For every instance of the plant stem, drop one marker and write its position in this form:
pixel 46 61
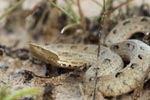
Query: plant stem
pixel 24 92
pixel 74 15
pixel 62 10
pixel 9 10
pixel 68 26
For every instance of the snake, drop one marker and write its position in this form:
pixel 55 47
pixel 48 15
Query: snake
pixel 114 77
pixel 72 56
pixel 127 28
pixel 130 77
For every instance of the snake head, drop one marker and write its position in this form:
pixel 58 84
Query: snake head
pixel 43 53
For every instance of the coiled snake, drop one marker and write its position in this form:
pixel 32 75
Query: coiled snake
pixel 114 78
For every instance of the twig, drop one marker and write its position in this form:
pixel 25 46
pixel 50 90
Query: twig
pixel 99 4
pixel 82 19
pixel 82 92
pixel 119 6
pixel 9 10
pixel 98 52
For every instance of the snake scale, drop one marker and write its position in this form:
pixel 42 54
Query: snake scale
pixel 114 77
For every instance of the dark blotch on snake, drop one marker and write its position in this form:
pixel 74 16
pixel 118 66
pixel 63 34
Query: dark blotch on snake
pixel 126 22
pixel 144 20
pixel 118 74
pixel 140 57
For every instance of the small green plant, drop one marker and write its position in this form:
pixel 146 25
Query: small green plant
pixel 9 10
pixel 4 93
pixel 70 13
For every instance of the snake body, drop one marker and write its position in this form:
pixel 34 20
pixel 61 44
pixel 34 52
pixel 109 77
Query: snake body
pixel 114 78
pixel 131 76
pixel 127 28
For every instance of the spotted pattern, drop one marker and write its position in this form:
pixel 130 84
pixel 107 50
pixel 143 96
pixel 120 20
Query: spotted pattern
pixel 127 28
pixel 113 78
pixel 130 77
